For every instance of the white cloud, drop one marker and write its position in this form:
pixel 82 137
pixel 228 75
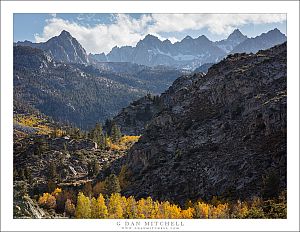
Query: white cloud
pixel 126 30
pixel 99 38
pixel 216 23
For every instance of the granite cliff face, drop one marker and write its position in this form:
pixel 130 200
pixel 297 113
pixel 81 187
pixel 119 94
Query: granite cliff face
pixel 223 133
pixel 134 119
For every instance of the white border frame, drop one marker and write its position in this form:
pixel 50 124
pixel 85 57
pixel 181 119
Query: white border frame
pixel 10 7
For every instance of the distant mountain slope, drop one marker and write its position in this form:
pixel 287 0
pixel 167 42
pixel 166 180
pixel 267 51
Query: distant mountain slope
pixel 63 48
pixel 77 93
pixel 261 42
pixel 151 51
pixel 222 134
pixel 189 53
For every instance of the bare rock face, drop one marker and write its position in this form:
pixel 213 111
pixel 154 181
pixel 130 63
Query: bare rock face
pixel 134 118
pixel 223 133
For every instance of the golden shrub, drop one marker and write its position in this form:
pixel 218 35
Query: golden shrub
pixel 47 201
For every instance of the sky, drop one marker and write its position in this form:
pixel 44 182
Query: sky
pixel 101 32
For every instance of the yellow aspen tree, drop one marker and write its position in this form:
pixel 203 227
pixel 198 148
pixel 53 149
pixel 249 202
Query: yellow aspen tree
pixel 187 213
pixel 220 211
pixel 102 209
pixel 148 210
pixel 94 208
pixel 140 209
pixel 115 209
pixel 159 208
pixel 131 208
pixel 202 210
pixel 165 207
pixel 155 210
pixel 174 212
pixel 83 207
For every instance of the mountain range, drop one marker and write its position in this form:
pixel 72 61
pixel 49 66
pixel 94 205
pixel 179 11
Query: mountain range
pixel 189 53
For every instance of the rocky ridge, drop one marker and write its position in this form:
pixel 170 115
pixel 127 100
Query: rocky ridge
pixel 223 133
pixel 263 41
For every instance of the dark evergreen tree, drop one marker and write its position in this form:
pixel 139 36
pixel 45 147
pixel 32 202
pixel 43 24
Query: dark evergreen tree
pixel 93 168
pixel 111 184
pixel 41 146
pixel 96 134
pixel 108 126
pixel 115 133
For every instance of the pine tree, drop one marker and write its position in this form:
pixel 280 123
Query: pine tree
pixel 108 126
pixel 112 184
pixel 106 145
pixel 98 135
pixel 123 176
pixel 115 133
pixel 93 168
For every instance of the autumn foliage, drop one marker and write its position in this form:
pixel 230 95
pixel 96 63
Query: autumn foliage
pixel 117 206
pixel 47 201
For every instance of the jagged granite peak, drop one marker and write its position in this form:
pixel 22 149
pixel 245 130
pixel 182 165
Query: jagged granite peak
pixel 65 33
pixel 187 38
pixel 236 35
pixel 218 134
pixel 150 41
pixel 203 38
pixel 263 41
pixel 150 37
pixel 167 41
pixel 66 48
pixel 63 48
pixel 235 38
